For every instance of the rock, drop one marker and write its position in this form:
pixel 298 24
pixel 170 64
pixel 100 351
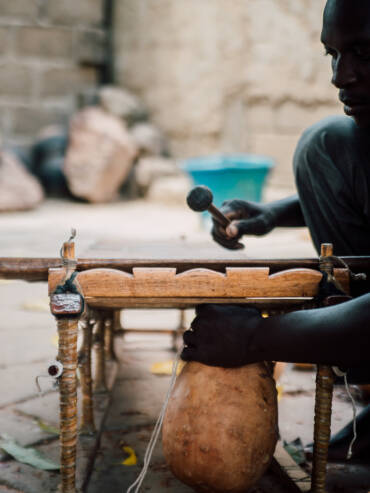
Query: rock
pixel 19 190
pixel 123 104
pixel 149 139
pixel 100 155
pixel 149 169
pixel 48 155
pixel 170 190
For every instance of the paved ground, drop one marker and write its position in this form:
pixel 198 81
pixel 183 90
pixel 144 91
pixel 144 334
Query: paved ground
pixel 28 342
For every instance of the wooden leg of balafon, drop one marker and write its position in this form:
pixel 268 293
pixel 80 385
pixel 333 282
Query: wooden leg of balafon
pixel 100 384
pixel 323 406
pixel 67 355
pixel 323 400
pixel 87 426
pixel 110 355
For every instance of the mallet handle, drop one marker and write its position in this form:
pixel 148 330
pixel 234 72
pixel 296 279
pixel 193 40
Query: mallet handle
pixel 217 214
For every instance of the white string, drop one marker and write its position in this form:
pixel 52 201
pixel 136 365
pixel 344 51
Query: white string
pixel 39 389
pixel 349 453
pixel 343 374
pixel 157 428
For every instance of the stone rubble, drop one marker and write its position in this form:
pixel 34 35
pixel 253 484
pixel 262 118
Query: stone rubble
pixel 122 103
pixel 100 155
pixel 19 190
pixel 150 169
pixel 149 139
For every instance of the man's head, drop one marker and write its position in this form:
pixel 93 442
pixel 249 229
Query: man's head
pixel 346 38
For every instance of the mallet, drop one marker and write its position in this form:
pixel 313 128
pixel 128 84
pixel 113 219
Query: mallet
pixel 200 198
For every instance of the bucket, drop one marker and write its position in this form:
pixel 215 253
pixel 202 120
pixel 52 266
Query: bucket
pixel 232 176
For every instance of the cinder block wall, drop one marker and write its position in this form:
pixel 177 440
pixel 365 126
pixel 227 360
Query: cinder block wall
pixel 50 50
pixel 227 75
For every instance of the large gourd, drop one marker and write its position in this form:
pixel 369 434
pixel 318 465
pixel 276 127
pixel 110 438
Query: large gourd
pixel 220 428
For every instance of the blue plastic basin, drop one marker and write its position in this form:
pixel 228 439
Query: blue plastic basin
pixel 235 176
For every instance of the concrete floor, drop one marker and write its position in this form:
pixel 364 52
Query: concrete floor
pixel 27 343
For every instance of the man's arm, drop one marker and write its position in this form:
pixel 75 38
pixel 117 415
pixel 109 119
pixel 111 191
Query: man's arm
pixel 232 335
pixel 250 218
pixel 287 212
pixel 336 335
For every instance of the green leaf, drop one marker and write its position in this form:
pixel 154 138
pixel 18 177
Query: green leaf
pixel 53 430
pixel 296 451
pixel 27 455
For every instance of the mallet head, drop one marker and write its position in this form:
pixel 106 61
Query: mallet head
pixel 199 198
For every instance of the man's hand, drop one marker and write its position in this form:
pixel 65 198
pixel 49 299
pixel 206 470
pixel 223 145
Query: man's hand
pixel 247 218
pixel 222 335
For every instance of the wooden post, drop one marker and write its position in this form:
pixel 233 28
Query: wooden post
pixel 323 401
pixel 67 308
pixel 67 355
pixel 100 385
pixel 110 355
pixel 87 426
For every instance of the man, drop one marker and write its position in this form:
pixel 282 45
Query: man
pixel 332 171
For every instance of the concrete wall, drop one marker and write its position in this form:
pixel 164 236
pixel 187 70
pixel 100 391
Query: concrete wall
pixel 50 50
pixel 227 75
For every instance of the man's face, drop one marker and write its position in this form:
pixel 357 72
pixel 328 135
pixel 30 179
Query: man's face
pixel 346 38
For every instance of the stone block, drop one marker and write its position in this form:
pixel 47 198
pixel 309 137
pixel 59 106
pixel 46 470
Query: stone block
pixel 44 42
pixel 261 117
pixel 72 12
pixel 281 148
pixel 68 80
pixel 294 118
pixel 170 189
pixel 150 169
pixel 15 80
pixel 30 120
pixel 22 9
pixel 91 47
pixel 199 144
pixel 4 40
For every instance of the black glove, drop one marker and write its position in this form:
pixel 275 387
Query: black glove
pixel 248 218
pixel 222 335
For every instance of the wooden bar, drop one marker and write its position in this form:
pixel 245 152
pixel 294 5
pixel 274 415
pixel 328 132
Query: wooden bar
pixel 237 282
pixel 36 269
pixel 105 303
